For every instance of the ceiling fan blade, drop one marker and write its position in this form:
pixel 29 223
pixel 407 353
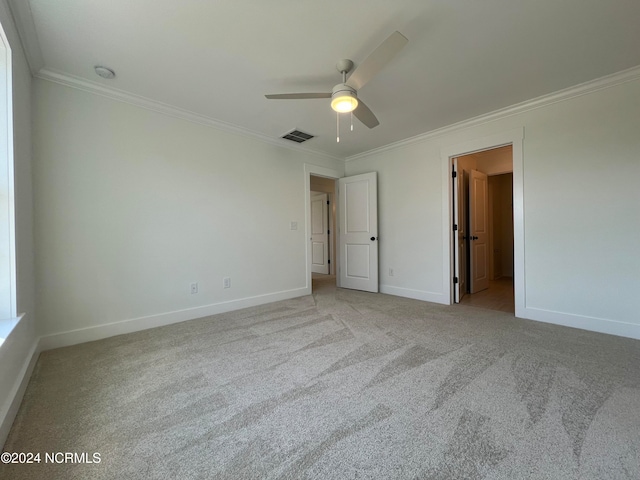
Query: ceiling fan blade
pixel 365 115
pixel 377 60
pixel 297 96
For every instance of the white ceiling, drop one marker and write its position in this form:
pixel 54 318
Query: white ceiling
pixel 218 58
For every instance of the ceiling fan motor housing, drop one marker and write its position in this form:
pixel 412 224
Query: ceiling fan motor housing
pixel 343 89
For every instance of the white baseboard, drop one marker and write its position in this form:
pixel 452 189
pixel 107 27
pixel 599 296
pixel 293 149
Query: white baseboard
pixel 14 399
pixel 89 334
pixel 583 322
pixel 434 297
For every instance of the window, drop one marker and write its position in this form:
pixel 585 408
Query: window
pixel 8 312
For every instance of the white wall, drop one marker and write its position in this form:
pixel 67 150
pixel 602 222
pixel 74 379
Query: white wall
pixel 321 184
pixel 501 225
pixel 132 206
pixel 581 165
pixel 496 161
pixel 17 352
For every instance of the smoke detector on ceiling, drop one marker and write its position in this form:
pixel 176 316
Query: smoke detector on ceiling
pixel 105 72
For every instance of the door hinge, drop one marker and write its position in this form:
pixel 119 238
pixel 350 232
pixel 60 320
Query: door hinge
pixel 328 232
pixel 455 228
pixel 454 174
pixel 328 261
pixel 327 202
pixel 455 279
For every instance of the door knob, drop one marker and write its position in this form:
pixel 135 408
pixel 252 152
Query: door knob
pixel 474 238
pixel 373 239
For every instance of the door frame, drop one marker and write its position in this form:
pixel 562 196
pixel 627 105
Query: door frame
pixel 317 171
pixel 512 137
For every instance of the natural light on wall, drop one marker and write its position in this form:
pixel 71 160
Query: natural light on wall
pixel 8 312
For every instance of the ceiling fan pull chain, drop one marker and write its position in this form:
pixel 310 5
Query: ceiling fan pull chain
pixel 352 120
pixel 337 127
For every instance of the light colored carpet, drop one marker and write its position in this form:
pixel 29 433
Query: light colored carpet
pixel 343 384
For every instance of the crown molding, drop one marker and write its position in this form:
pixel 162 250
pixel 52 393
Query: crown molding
pixel 607 81
pixel 23 20
pixel 166 109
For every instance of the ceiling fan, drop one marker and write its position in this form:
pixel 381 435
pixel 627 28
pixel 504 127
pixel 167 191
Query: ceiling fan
pixel 344 96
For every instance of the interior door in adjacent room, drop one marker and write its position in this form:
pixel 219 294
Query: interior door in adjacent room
pixel 319 233
pixel 459 231
pixel 358 232
pixel 478 232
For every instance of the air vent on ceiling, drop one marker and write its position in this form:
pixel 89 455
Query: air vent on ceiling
pixel 297 136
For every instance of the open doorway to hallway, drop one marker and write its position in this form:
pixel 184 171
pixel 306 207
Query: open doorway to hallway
pixel 483 199
pixel 323 231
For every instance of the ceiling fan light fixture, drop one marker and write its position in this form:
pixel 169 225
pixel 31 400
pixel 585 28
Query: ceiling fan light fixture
pixel 344 104
pixel 344 99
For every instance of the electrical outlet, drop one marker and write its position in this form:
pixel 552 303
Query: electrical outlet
pixel 194 288
pixel 391 272
pixel 226 282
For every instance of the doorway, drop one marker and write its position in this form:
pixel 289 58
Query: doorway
pixel 322 193
pixel 354 241
pixel 482 205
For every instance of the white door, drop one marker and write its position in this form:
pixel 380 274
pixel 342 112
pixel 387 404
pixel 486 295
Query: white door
pixel 463 189
pixel 478 231
pixel 319 233
pixel 358 232
pixel 459 233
